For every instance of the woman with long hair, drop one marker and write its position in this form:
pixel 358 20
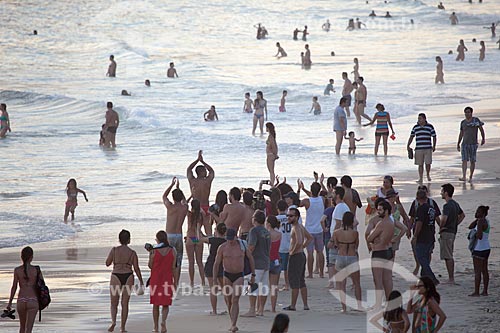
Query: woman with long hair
pixel 481 251
pixel 395 317
pixel 72 191
pixel 272 225
pixel 218 207
pixel 260 106
pixel 383 119
pixel 425 307
pixel 163 281
pixel 194 248
pixel 121 283
pixel 4 120
pixel 271 151
pixel 280 324
pixel 27 301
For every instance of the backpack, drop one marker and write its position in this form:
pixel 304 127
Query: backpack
pixel 246 270
pixel 43 293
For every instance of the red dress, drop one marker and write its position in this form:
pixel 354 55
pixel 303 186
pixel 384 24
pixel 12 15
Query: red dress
pixel 161 284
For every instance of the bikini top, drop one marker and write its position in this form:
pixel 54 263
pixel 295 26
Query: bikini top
pixel 348 244
pixel 128 263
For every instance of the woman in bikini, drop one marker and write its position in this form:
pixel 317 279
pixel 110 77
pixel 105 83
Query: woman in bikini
pixel 194 248
pixel 425 307
pixel 395 317
pixel 72 191
pixel 439 71
pixel 346 240
pixel 4 120
pixel 271 151
pixel 121 284
pixel 27 301
pixel 260 105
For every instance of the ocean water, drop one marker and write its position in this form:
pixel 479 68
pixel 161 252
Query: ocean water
pixel 55 87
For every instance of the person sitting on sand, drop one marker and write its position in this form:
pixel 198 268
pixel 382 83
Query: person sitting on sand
pixel 112 67
pixel 481 251
pixel 372 14
pixel 163 281
pixel 121 284
pixel 26 277
pixel 211 114
pixel 315 106
pixel 72 192
pixel 281 52
pixel 172 72
pixel 352 142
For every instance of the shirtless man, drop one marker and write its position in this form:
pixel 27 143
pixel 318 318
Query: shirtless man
pixel 351 196
pixel 361 94
pixel 299 239
pixel 246 223
pixel 281 52
pixel 379 242
pixel 307 57
pixel 176 214
pixel 453 19
pixel 346 92
pixel 232 257
pixel 112 67
pixel 200 187
pixel 112 123
pixel 234 212
pixel 172 72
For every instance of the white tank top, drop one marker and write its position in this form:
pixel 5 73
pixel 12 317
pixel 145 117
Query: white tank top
pixel 484 243
pixel 314 214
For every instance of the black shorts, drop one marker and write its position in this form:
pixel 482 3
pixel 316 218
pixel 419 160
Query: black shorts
pixel 209 270
pixel 297 270
pixel 485 254
pixel 111 129
pixel 383 254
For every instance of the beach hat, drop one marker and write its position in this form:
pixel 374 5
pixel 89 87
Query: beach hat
pixel 230 234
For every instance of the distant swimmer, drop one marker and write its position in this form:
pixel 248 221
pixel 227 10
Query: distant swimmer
pixel 302 58
pixel 259 30
pixel 72 191
pixel 387 14
pixel 112 123
pixel 439 71
pixel 482 50
pixel 35 32
pixel 326 26
pixel 282 107
pixel 453 19
pixel 359 23
pixel 260 105
pixel 461 49
pixel 296 33
pixel 355 69
pixel 4 120
pixel 147 83
pixel 350 25
pixel 281 52
pixel 102 135
pixel 352 142
pixel 304 33
pixel 329 88
pixel 493 29
pixel 248 104
pixel 372 14
pixel 211 114
pixel 315 106
pixel 264 33
pixel 346 92
pixel 126 93
pixel 332 54
pixel 112 67
pixel 440 6
pixel 307 56
pixel 172 72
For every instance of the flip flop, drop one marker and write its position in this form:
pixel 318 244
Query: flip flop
pixel 289 308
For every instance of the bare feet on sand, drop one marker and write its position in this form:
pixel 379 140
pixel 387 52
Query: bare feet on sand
pixel 112 327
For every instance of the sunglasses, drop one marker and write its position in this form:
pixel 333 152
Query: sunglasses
pixel 290 215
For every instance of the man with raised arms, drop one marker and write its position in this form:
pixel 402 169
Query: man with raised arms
pixel 232 257
pixel 379 242
pixel 176 214
pixel 234 212
pixel 200 186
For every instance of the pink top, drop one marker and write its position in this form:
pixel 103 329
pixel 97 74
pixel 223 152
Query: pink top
pixel 275 246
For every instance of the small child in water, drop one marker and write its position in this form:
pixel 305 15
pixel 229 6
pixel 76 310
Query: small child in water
pixel 72 192
pixel 282 102
pixel 302 58
pixel 247 105
pixel 352 142
pixel 102 138
pixel 316 107
pixel 328 88
pixel 172 72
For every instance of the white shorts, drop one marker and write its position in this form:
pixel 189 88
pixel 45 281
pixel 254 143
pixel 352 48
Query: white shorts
pixel 262 278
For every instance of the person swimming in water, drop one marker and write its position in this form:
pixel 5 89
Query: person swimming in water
pixel 72 192
pixel 281 52
pixel 439 71
pixel 372 14
pixel 172 72
pixel 248 104
pixel 461 49
pixel 126 93
pixel 326 26
pixel 315 106
pixel 211 114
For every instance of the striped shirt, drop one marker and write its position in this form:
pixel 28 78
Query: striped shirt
pixel 382 127
pixel 423 135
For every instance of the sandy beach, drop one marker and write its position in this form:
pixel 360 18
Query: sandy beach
pixel 74 267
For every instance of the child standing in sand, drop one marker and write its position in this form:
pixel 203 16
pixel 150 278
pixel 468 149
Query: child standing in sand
pixel 352 142
pixel 72 191
pixel 315 106
pixel 282 102
pixel 248 104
